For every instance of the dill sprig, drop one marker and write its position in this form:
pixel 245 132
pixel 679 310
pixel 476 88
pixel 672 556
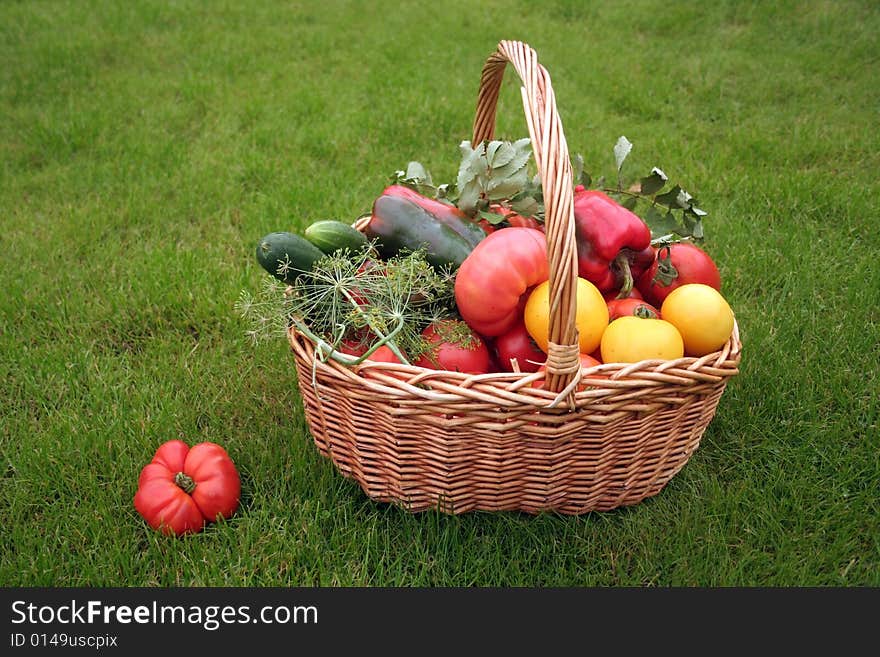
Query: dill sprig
pixel 266 311
pixel 354 296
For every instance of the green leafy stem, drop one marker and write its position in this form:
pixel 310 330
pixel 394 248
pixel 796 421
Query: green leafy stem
pixel 495 172
pixel 671 213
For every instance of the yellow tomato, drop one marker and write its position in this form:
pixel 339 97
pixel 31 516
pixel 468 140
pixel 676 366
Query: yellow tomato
pixel 701 315
pixel 630 339
pixel 591 318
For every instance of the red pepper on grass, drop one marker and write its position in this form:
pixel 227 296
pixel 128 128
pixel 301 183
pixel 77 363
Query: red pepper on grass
pixel 613 243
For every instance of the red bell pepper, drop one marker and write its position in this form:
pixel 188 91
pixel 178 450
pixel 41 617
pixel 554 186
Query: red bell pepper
pixel 613 243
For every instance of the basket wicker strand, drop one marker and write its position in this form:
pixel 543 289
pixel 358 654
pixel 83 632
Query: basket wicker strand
pixel 587 440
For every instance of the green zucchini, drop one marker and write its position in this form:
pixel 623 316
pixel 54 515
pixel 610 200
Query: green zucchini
pixel 287 255
pixel 330 235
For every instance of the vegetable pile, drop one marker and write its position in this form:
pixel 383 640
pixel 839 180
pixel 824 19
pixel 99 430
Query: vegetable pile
pixel 455 276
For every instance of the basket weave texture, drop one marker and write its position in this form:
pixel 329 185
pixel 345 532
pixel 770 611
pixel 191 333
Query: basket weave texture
pixel 587 440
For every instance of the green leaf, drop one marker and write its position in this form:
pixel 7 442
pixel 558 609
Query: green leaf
pixel 468 196
pixel 491 217
pixel 469 168
pixel 472 159
pixel 526 206
pixel 521 157
pixel 521 145
pixel 630 202
pixel 660 223
pixel 492 170
pixel 670 198
pixel 683 199
pixel 507 187
pixel 654 182
pixel 577 165
pixel 621 149
pixel 480 154
pixel 499 153
pixel 416 172
pixel 578 175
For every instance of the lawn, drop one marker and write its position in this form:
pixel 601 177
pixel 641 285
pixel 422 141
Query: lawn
pixel 145 147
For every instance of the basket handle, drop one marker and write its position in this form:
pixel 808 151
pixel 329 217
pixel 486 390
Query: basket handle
pixel 554 166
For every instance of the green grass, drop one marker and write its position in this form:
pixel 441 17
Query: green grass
pixel 146 146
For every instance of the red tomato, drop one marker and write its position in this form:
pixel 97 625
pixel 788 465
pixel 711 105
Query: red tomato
pixel 357 348
pixel 518 344
pixel 587 361
pixel 383 355
pixel 491 281
pixel 486 226
pixel 630 306
pixel 514 219
pixel 372 267
pixel 455 347
pixel 353 347
pixel 633 294
pixel 181 488
pixel 518 221
pixel 676 265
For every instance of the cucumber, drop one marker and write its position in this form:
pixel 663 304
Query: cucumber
pixel 330 235
pixel 287 255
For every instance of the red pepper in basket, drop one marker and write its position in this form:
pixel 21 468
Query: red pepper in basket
pixel 613 243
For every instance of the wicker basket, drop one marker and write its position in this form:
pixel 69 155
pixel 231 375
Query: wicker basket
pixel 588 440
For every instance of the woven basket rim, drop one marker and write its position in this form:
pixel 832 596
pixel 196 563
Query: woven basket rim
pixel 512 388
